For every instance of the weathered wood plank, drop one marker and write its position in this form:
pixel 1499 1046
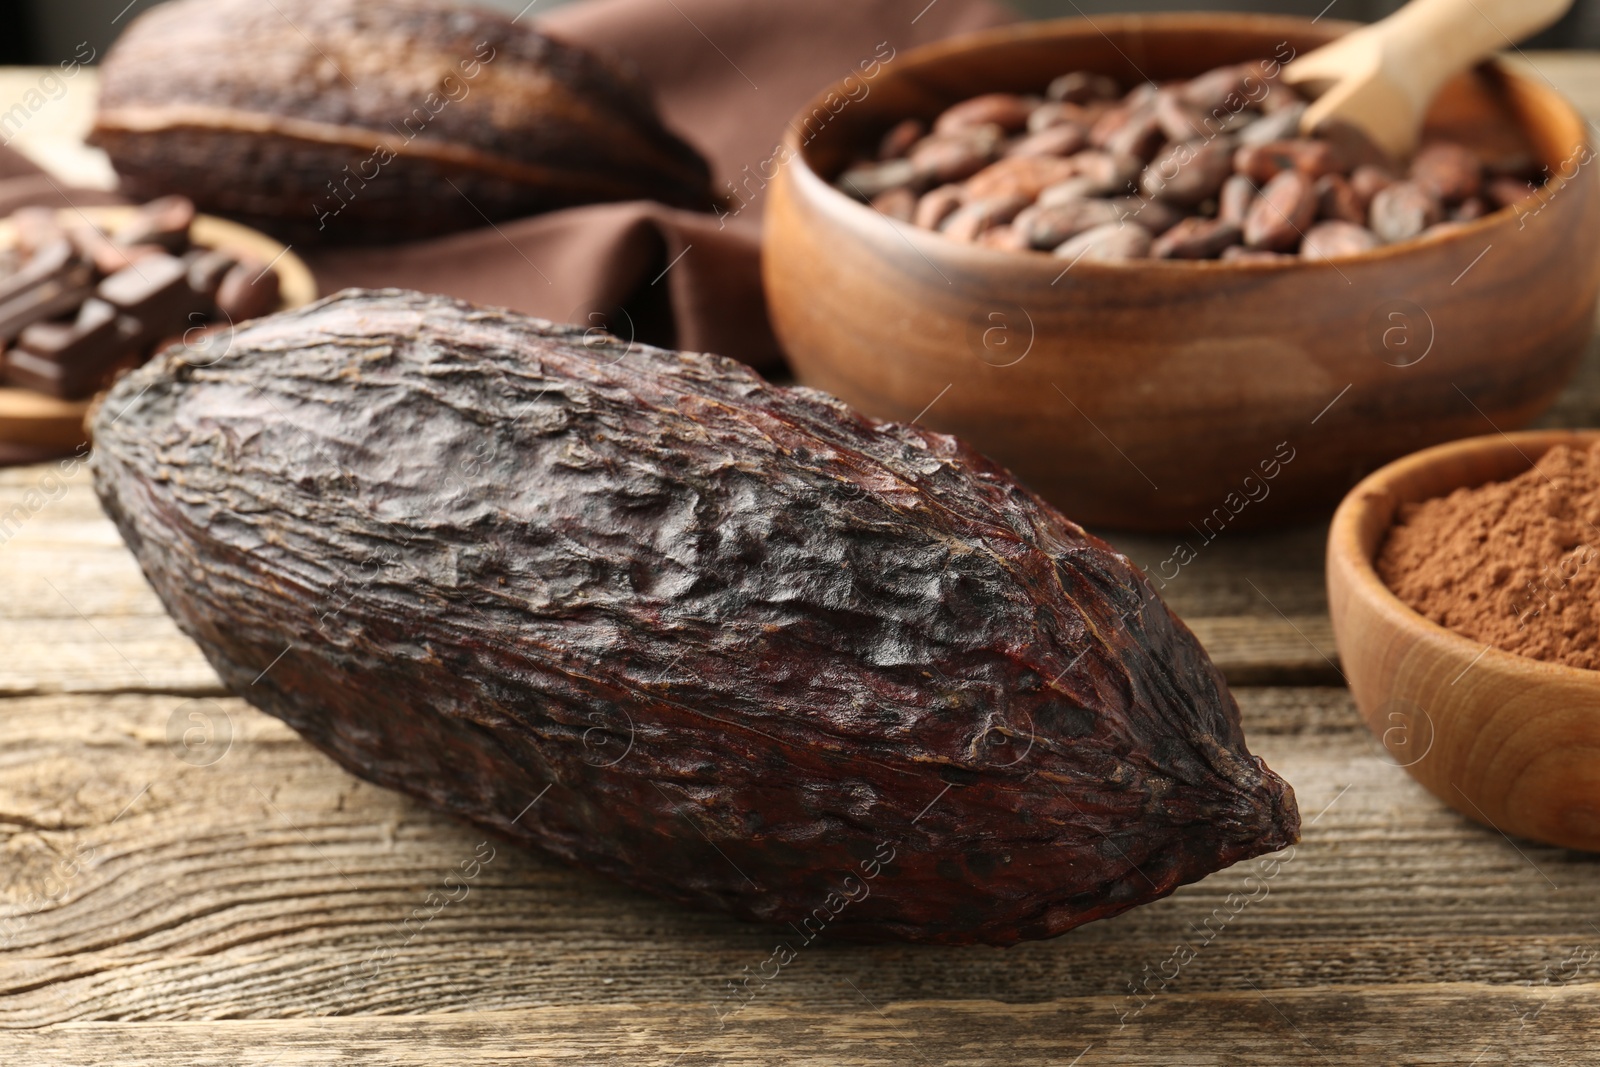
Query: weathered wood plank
pixel 1450 1024
pixel 142 879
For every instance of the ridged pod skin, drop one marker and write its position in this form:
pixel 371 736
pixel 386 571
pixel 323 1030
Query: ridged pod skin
pixel 766 656
pixel 354 121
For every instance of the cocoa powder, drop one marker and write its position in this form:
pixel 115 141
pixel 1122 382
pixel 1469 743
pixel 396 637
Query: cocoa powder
pixel 1515 564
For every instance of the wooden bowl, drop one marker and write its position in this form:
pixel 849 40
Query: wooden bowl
pixel 1155 395
pixel 32 420
pixel 1511 741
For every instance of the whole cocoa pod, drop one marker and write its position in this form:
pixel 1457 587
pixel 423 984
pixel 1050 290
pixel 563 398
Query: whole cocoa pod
pixel 351 120
pixel 766 656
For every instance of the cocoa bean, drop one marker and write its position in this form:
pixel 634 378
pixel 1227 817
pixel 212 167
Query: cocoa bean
pixel 901 138
pixel 489 543
pixel 1062 140
pixel 900 203
pixel 1006 110
pixel 1195 238
pixel 1263 162
pixel 1505 191
pixel 941 158
pixel 936 206
pixel 1241 254
pixel 1402 210
pixel 1076 187
pixel 1337 200
pixel 1222 88
pixel 1447 171
pixel 1047 115
pixel 1151 215
pixel 1281 214
pixel 1110 174
pixel 867 181
pixel 1053 225
pixel 1114 242
pixel 1004 238
pixel 1280 125
pixel 1189 173
pixel 1367 181
pixel 1334 239
pixel 966 222
pixel 1082 87
pixel 1129 130
pixel 1025 176
pixel 1178 121
pixel 1235 198
pixel 1474 207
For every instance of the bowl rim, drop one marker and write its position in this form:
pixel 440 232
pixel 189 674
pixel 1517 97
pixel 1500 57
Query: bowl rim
pixel 925 240
pixel 1376 489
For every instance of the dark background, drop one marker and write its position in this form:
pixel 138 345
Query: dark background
pixel 47 31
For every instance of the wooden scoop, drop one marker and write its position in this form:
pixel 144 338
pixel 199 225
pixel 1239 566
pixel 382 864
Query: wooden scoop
pixel 1381 78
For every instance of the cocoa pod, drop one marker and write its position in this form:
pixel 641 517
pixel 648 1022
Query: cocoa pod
pixel 1082 87
pixel 1115 242
pixel 1333 239
pixel 1188 173
pixel 1447 171
pixel 341 120
pixel 1282 213
pixel 1402 210
pixel 1195 238
pixel 1006 110
pixel 458 548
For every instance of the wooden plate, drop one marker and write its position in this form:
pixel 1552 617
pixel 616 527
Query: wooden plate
pixel 44 422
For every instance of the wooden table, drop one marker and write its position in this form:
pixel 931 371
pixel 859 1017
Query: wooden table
pixel 183 881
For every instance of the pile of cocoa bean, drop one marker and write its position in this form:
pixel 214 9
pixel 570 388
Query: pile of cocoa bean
pixel 1213 167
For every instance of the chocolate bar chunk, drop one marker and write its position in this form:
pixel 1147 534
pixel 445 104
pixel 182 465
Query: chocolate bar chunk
pixel 163 222
pixel 107 255
pixel 70 360
pixel 155 291
pixel 51 283
pixel 248 291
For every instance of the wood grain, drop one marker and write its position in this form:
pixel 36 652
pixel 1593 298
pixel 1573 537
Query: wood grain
pixel 229 913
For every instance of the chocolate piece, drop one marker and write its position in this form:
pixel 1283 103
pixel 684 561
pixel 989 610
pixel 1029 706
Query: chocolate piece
pixel 206 270
pixel 155 292
pixel 68 361
pixel 164 222
pixel 51 283
pixel 248 291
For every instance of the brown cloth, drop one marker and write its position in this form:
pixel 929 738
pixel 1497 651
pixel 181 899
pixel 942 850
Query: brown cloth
pixel 728 76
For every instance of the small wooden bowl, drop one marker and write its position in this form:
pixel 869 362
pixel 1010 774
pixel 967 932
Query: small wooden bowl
pixel 36 421
pixel 1153 395
pixel 1511 741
